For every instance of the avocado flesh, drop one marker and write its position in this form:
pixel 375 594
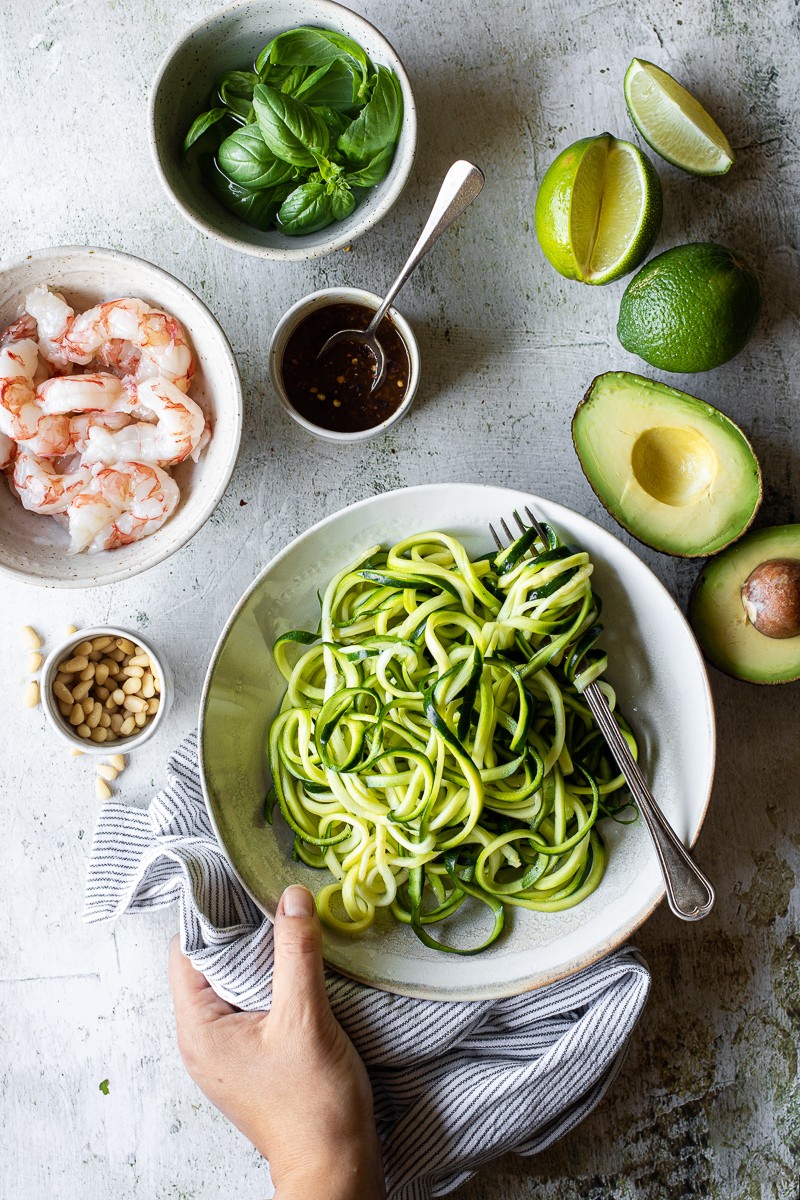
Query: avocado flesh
pixel 718 618
pixel 672 470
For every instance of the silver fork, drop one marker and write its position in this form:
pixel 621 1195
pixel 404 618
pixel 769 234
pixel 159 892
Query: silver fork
pixel 689 894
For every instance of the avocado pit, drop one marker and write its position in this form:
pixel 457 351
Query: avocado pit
pixel 771 597
pixel 675 466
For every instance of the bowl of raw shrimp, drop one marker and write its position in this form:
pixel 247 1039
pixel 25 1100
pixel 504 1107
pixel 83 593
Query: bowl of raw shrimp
pixel 120 416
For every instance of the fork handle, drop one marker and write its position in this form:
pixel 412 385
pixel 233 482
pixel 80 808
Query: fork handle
pixel 460 187
pixel 689 894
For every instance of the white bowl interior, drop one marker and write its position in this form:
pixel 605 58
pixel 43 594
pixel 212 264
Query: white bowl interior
pixel 231 40
pixel 34 547
pixel 654 664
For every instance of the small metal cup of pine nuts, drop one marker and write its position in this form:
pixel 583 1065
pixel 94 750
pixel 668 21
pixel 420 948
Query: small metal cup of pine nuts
pixel 105 690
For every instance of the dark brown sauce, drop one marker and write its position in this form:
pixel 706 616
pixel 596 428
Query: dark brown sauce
pixel 334 391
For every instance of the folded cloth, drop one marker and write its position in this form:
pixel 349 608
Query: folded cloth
pixel 455 1085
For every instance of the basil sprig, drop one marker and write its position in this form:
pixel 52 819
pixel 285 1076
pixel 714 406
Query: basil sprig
pixel 297 140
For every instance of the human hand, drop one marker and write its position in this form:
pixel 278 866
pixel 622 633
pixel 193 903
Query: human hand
pixel 290 1079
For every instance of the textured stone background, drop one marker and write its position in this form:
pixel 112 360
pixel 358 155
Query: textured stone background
pixel 707 1104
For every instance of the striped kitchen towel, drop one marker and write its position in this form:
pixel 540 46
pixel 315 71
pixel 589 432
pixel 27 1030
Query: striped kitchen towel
pixel 455 1085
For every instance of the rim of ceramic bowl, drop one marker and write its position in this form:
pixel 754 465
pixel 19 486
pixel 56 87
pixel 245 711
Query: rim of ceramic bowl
pixel 212 495
pixel 323 298
pixel 395 185
pixel 123 745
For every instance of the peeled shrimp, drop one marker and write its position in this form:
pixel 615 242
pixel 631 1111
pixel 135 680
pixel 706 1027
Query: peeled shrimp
pixel 132 338
pixel 8 449
pixel 63 433
pixel 81 393
pixel 177 433
pixel 42 489
pixel 119 505
pixel 53 317
pixel 19 411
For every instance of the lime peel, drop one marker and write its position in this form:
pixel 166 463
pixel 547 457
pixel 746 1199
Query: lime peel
pixel 673 122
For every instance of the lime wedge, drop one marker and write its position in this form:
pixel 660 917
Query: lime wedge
pixel 674 123
pixel 598 210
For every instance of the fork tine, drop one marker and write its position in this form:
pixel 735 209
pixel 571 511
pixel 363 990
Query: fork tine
pixel 535 524
pixel 519 521
pixel 507 531
pixel 497 541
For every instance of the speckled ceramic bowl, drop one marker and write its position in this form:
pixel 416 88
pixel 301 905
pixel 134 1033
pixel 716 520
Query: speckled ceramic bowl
pixel 231 39
pixel 654 663
pixel 34 548
pixel 302 309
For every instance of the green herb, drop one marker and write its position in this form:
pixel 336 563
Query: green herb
pixel 299 138
pixel 104 1087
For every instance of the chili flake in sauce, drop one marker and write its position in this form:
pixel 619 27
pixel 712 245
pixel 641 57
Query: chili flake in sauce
pixel 334 391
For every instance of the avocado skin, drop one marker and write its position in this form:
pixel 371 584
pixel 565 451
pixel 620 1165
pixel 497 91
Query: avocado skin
pixel 760 545
pixel 619 517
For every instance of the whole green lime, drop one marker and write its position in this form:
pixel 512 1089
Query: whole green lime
pixel 690 309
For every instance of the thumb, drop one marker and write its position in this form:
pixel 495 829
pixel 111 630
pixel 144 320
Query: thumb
pixel 298 982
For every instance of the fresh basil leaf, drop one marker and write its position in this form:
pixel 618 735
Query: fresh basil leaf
pixel 308 208
pixel 374 172
pixel 246 158
pixel 377 125
pixel 294 79
pixel 236 92
pixel 201 124
pixel 315 48
pixel 257 208
pixel 334 85
pixel 337 122
pixel 291 129
pixel 342 199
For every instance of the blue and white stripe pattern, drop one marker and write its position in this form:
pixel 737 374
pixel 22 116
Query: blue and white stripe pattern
pixel 455 1085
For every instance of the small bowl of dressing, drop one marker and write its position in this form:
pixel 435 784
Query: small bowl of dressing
pixel 331 397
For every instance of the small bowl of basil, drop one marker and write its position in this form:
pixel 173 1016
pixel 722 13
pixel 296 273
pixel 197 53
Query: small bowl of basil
pixel 284 130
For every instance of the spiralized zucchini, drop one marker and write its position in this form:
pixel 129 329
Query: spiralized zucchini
pixel 433 744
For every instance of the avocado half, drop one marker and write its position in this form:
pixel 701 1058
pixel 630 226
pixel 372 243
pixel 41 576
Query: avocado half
pixel 718 616
pixel 674 471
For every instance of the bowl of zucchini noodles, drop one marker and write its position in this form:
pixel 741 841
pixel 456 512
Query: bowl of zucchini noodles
pixel 393 716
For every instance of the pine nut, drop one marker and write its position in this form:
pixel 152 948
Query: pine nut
pixel 31 695
pixel 152 705
pixel 102 643
pixel 140 719
pixel 139 660
pixel 63 693
pixel 117 655
pixel 75 752
pixel 118 696
pixel 134 704
pixel 112 737
pixel 32 639
pixel 81 689
pixel 95 656
pixel 101 692
pixel 116 721
pixel 94 717
pixel 88 705
pixel 101 673
pixel 107 772
pixel 78 663
pixel 128 726
pixel 111 705
pixel 131 686
pixel 156 682
pixel 65 677
pixel 76 716
pixel 68 629
pixel 132 672
pixel 110 664
pixel 34 662
pixel 84 648
pixel 117 760
pixel 83 731
pixel 88 672
pixel 105 719
pixel 148 686
pixel 101 789
pixel 64 709
pixel 99 734
pixel 126 644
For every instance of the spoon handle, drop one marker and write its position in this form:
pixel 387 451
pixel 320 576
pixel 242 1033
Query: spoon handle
pixel 460 187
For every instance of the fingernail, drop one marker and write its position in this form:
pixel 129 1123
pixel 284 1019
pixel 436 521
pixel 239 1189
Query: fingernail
pixel 298 902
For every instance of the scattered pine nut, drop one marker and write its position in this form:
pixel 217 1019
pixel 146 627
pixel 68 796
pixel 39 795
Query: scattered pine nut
pixel 68 629
pixel 101 789
pixel 32 639
pixel 30 697
pixel 76 753
pixel 34 662
pixel 117 760
pixel 107 772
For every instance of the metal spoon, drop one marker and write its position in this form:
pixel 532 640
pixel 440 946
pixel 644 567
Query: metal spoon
pixel 461 185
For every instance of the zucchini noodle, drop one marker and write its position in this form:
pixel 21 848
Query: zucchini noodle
pixel 433 745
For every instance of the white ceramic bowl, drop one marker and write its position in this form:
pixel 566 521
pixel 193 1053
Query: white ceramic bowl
pixel 34 548
pixel 654 663
pixel 123 745
pixel 286 327
pixel 231 39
